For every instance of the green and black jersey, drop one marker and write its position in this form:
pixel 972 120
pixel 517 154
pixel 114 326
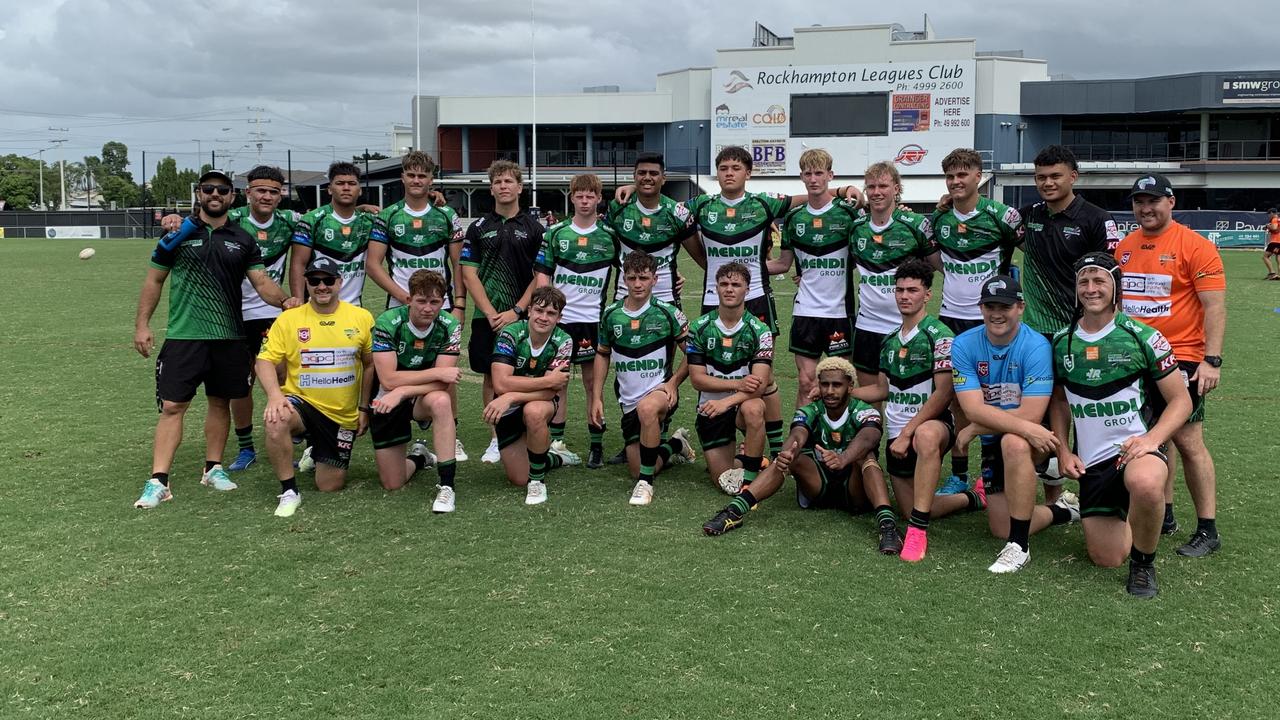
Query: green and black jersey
pixel 658 232
pixel 879 251
pixel 819 239
pixel 641 347
pixel 728 353
pixel 418 240
pixel 274 238
pixel 836 433
pixel 975 246
pixel 911 363
pixel 515 347
pixel 344 240
pixel 416 348
pixel 1110 379
pixel 205 271
pixel 502 251
pixel 1051 243
pixel 737 231
pixel 579 262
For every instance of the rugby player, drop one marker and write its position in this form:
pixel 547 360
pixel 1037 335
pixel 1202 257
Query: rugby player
pixel 415 353
pixel 339 231
pixel 497 257
pixel 1174 282
pixel 530 368
pixel 326 347
pixel 976 236
pixel 1002 373
pixel 640 336
pixel 414 234
pixel 915 377
pixel 577 258
pixel 731 365
pixel 209 257
pixel 815 236
pixel 882 241
pixel 1105 364
pixel 1272 249
pixel 831 440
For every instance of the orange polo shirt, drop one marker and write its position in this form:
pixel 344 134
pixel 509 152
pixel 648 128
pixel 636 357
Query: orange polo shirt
pixel 1162 275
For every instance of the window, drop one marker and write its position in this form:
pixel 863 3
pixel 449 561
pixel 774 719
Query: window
pixel 840 115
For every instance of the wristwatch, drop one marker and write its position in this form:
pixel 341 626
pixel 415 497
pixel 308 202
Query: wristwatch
pixel 1213 360
pixel 519 311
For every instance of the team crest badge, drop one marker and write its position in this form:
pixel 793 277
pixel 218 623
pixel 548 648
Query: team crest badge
pixel 628 224
pixel 1124 257
pixel 304 334
pixel 564 244
pixel 862 244
pixel 713 216
pixel 617 331
pixel 945 231
pixel 984 368
pixel 1069 362
pixel 328 234
pixel 799 229
pixel 399 228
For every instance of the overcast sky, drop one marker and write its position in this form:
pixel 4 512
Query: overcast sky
pixel 332 77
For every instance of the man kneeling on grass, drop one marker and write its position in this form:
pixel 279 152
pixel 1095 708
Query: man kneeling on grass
pixel 415 352
pixel 531 361
pixel 831 453
pixel 639 338
pixel 1106 366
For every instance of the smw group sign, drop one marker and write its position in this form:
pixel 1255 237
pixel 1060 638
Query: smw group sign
pixel 910 113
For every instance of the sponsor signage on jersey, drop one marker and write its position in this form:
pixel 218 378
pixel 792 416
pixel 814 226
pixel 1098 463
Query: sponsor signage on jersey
pixel 930 108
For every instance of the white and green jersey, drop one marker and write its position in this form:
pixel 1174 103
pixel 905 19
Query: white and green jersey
pixel 910 362
pixel 728 353
pixel 879 251
pixel 344 240
pixel 836 433
pixel 515 347
pixel 658 232
pixel 973 245
pixel 819 239
pixel 641 345
pixel 737 231
pixel 579 261
pixel 415 348
pixel 273 239
pixel 418 240
pixel 1110 378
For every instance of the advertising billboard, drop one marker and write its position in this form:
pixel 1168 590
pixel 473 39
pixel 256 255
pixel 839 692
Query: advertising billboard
pixel 911 113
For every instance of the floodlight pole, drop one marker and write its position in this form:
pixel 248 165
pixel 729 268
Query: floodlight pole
pixel 533 51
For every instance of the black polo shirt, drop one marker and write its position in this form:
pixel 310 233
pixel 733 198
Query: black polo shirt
pixel 502 251
pixel 1051 243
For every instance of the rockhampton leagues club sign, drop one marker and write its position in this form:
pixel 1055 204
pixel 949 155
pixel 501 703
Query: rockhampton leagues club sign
pixel 910 113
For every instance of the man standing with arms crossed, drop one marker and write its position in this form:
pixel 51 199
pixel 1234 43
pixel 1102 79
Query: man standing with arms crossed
pixel 498 251
pixel 208 258
pixel 1174 282
pixel 413 234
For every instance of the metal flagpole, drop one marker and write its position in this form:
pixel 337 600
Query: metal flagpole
pixel 533 51
pixel 417 98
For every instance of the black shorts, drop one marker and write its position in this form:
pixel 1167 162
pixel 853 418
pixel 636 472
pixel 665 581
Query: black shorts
pixel 223 366
pixel 1187 368
pixel 905 467
pixel 255 333
pixel 394 428
pixel 959 325
pixel 992 466
pixel 511 427
pixel 815 337
pixel 718 431
pixel 584 341
pixel 1102 489
pixel 631 425
pixel 762 307
pixel 480 346
pixel 834 492
pixel 330 442
pixel 1273 248
pixel 866 350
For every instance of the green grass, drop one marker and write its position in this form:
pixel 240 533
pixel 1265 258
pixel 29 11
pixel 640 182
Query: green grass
pixel 365 605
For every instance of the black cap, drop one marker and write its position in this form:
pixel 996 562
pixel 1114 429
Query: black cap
pixel 1154 185
pixel 211 174
pixel 323 265
pixel 1001 289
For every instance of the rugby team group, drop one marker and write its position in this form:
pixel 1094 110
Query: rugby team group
pixel 1090 360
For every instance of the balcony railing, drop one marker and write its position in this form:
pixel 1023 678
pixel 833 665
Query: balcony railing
pixel 1227 150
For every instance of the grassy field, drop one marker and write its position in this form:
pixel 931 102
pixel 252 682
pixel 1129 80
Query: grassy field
pixel 365 605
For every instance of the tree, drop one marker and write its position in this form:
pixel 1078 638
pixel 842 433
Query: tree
pixel 118 190
pixel 19 181
pixel 370 156
pixel 165 187
pixel 115 160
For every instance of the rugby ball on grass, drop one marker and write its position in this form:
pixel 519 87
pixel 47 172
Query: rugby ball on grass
pixel 87 253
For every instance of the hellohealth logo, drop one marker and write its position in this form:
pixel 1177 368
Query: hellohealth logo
pixel 737 81
pixel 726 119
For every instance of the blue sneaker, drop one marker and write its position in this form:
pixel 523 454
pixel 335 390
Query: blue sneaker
pixel 953 485
pixel 244 459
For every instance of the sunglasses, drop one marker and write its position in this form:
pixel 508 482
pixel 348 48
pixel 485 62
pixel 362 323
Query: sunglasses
pixel 215 189
pixel 325 280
